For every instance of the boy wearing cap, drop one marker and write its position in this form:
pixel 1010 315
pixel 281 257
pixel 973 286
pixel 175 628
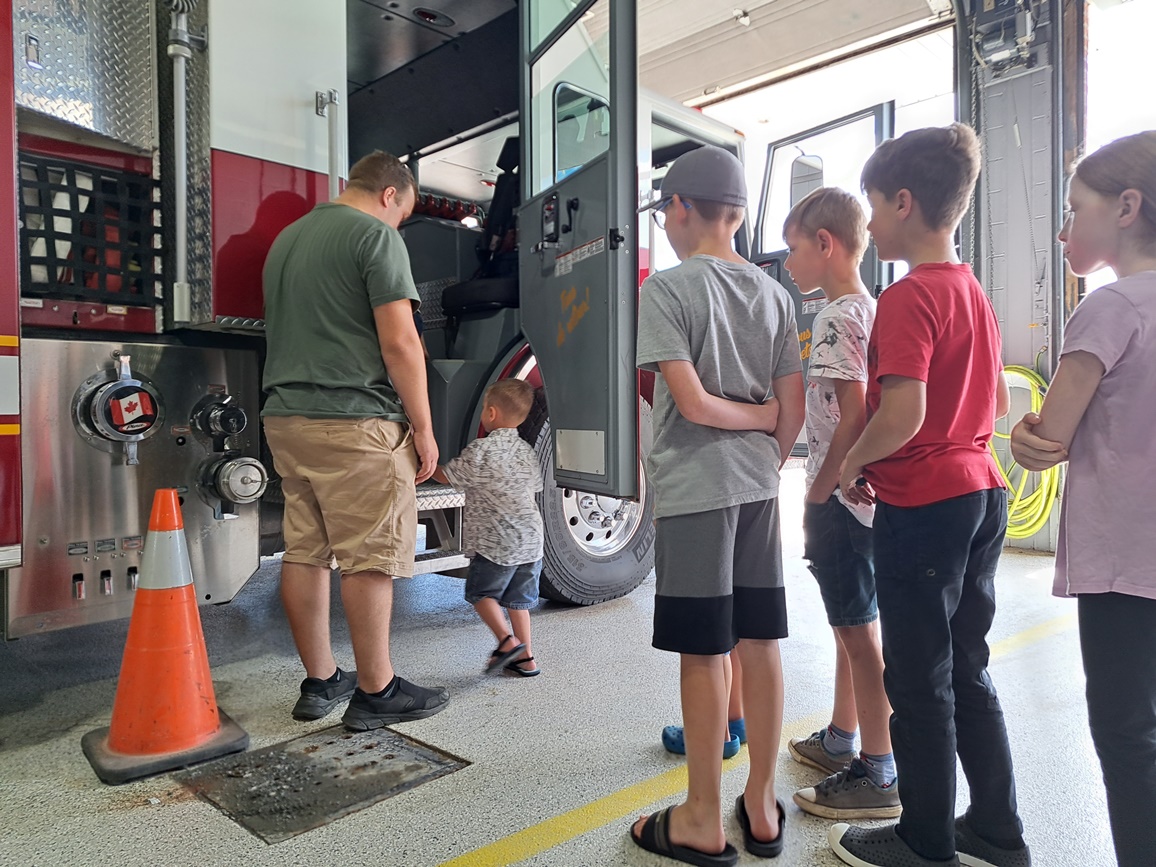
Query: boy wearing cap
pixel 728 406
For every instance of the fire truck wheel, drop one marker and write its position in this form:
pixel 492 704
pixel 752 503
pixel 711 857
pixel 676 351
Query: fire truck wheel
pixel 597 548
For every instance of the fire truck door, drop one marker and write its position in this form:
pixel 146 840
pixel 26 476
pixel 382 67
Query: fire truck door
pixel 578 253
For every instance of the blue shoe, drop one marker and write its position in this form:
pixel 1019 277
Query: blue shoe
pixel 738 729
pixel 675 742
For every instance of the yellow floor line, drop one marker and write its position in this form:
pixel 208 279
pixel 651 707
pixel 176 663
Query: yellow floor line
pixel 1030 636
pixel 633 799
pixel 621 804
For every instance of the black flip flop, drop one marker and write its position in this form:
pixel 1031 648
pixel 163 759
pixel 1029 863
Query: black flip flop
pixel 500 657
pixel 516 667
pixel 655 837
pixel 751 843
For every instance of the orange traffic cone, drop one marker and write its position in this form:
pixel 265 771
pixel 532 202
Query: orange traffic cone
pixel 165 715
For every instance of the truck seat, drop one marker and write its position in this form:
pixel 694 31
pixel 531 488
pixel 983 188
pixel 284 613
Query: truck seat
pixel 478 296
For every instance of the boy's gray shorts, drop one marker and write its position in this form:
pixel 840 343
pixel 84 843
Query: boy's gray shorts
pixel 719 579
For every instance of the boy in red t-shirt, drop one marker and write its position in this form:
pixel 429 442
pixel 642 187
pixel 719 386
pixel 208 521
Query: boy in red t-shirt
pixel 935 387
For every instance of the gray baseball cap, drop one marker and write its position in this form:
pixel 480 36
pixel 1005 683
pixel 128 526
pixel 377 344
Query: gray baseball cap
pixel 709 173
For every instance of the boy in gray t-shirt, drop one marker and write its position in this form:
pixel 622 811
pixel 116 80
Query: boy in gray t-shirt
pixel 729 405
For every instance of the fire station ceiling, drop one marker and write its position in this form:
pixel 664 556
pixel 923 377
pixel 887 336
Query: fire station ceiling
pixel 689 50
pixel 402 52
pixel 385 35
pixel 699 50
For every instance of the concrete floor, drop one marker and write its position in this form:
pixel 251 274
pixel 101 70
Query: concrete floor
pixel 560 763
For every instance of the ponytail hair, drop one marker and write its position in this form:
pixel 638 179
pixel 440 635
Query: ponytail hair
pixel 1128 163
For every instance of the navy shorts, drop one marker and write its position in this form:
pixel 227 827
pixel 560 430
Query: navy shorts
pixel 842 560
pixel 512 586
pixel 719 579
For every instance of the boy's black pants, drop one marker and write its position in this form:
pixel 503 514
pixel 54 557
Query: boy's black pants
pixel 934 576
pixel 1118 641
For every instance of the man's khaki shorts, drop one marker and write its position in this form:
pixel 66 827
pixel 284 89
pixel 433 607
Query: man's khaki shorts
pixel 349 492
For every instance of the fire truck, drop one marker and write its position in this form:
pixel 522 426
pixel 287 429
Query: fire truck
pixel 157 147
pixel 160 148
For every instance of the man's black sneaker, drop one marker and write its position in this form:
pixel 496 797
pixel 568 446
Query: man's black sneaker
pixel 408 701
pixel 974 851
pixel 319 697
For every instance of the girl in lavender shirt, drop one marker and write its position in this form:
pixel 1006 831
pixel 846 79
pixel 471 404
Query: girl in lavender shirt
pixel 1100 416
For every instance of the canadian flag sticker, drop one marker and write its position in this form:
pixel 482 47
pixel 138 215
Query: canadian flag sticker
pixel 126 410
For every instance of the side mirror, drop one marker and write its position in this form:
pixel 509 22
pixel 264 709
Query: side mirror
pixel 806 175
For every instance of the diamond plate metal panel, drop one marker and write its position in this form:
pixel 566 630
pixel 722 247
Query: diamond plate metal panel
pixel 435 496
pixel 430 293
pixel 89 63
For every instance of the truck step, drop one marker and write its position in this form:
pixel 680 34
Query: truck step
pixel 427 562
pixel 431 495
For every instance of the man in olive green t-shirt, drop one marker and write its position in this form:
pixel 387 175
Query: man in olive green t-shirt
pixel 347 419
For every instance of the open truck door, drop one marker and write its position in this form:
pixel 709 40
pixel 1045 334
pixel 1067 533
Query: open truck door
pixel 578 250
pixel 798 165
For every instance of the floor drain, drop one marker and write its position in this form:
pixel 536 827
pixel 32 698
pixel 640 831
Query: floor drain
pixel 284 790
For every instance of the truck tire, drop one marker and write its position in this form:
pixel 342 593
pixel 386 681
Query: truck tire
pixel 586 563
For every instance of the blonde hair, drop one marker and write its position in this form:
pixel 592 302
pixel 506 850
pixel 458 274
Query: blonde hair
pixel 835 210
pixel 938 165
pixel 376 172
pixel 513 398
pixel 1128 163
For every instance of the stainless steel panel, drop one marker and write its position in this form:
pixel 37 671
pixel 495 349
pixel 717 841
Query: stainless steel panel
pixel 85 510
pixel 88 63
pixel 581 451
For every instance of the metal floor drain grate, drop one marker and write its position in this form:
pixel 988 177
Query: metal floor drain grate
pixel 284 790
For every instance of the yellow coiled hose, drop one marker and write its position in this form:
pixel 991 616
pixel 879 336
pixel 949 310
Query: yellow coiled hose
pixel 1027 514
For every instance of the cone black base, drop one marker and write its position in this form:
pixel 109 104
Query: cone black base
pixel 116 768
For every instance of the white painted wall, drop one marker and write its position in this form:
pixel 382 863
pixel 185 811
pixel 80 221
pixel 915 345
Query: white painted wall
pixel 267 58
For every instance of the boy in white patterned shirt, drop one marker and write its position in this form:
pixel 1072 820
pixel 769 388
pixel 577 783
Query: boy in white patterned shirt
pixel 826 234
pixel 503 528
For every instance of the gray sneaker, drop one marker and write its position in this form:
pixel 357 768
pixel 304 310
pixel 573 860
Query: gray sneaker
pixel 977 852
pixel 850 794
pixel 408 702
pixel 319 697
pixel 877 847
pixel 810 751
